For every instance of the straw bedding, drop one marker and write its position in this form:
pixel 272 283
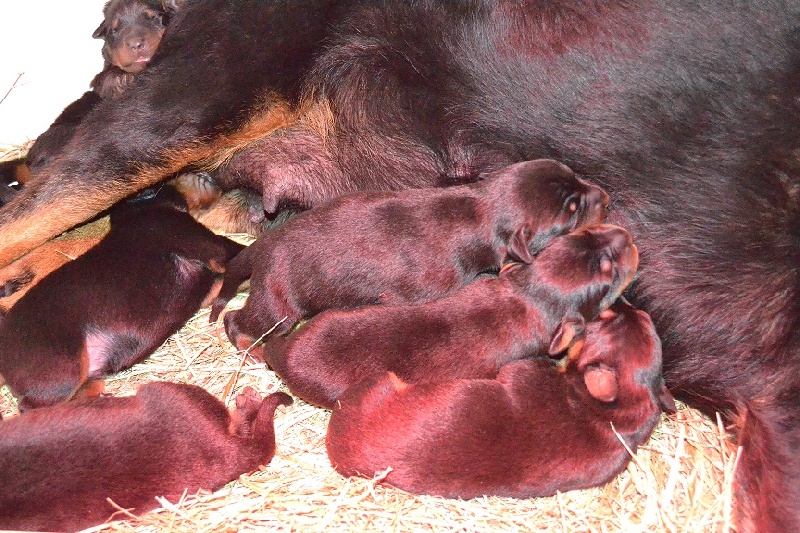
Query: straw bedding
pixel 679 481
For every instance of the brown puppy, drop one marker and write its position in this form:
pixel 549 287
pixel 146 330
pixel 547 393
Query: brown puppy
pixel 692 130
pixel 111 307
pixel 532 431
pixel 58 465
pixel 132 31
pixel 469 334
pixel 18 277
pixel 413 245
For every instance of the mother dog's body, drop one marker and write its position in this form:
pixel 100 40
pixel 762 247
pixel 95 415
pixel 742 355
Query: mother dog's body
pixel 687 114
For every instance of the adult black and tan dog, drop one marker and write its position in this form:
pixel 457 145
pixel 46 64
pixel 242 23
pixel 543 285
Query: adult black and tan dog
pixel 686 112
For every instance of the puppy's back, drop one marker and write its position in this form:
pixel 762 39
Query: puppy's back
pixel 58 465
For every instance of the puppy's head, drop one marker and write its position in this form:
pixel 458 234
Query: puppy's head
pixel 582 272
pixel 132 31
pixel 546 199
pixel 620 353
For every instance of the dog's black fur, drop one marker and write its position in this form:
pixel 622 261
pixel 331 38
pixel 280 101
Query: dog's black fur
pixel 686 113
pixel 13 175
pixel 131 31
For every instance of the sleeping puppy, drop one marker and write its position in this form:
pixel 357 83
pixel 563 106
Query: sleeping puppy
pixel 132 31
pixel 532 431
pixel 59 465
pixel 529 310
pixel 413 245
pixel 21 275
pixel 114 305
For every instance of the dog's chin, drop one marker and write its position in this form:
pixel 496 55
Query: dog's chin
pixel 136 66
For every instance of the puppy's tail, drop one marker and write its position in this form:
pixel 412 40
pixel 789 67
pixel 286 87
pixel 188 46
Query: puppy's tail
pixel 238 271
pixel 263 426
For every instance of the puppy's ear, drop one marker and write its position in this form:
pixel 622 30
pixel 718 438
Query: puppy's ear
pixel 570 327
pixel 101 31
pixel 518 249
pixel 666 401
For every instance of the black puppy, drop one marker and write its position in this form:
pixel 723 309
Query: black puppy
pixel 132 31
pixel 114 305
pixel 686 112
pixel 412 245
pixel 59 464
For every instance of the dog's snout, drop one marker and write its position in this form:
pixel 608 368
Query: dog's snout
pixel 135 42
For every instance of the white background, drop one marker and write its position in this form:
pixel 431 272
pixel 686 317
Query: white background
pixel 50 43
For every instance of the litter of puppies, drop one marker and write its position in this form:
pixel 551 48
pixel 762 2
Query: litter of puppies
pixel 304 116
pixel 501 320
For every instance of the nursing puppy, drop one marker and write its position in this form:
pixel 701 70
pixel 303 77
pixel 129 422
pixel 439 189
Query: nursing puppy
pixel 58 465
pixel 532 431
pixel 114 305
pixel 405 246
pixel 693 132
pixel 21 275
pixel 529 310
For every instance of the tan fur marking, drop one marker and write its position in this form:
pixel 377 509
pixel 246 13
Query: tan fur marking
pixel 50 256
pixel 23 228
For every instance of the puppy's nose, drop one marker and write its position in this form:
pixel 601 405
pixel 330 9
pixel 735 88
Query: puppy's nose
pixel 135 43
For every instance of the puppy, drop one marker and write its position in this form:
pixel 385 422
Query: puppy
pixel 132 31
pixel 18 277
pixel 59 465
pixel 532 431
pixel 406 246
pixel 114 305
pixel 469 334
